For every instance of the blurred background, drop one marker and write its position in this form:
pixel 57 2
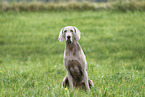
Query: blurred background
pixel 54 0
pixel 65 0
pixel 53 5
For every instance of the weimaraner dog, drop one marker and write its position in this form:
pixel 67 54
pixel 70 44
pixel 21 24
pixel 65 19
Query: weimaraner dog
pixel 74 60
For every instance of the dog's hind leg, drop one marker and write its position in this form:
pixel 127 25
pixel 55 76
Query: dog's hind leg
pixel 65 82
pixel 91 85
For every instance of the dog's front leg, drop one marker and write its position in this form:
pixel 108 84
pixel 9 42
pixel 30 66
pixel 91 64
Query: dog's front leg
pixel 70 79
pixel 86 81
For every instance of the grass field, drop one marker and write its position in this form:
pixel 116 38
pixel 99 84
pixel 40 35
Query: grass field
pixel 31 57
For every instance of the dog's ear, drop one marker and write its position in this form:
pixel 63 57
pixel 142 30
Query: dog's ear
pixel 77 33
pixel 60 38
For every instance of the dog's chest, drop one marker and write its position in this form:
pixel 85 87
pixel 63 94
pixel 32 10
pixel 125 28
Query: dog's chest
pixel 75 70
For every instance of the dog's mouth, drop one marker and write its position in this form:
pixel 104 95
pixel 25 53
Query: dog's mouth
pixel 68 41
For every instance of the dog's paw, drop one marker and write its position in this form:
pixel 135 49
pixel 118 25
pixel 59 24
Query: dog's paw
pixel 88 90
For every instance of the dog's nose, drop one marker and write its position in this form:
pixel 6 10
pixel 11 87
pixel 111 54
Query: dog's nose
pixel 68 37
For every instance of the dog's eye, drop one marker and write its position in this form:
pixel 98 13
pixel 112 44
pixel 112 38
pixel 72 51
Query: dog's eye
pixel 65 31
pixel 71 30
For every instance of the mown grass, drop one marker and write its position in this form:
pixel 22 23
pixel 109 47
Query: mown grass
pixel 31 57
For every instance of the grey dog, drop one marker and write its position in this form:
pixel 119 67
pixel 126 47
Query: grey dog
pixel 74 59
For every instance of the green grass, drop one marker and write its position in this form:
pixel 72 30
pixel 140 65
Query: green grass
pixel 31 57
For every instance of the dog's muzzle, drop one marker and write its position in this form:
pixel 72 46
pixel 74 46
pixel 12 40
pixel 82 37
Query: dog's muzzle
pixel 68 39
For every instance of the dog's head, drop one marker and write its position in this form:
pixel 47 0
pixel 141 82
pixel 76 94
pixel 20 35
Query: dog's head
pixel 70 34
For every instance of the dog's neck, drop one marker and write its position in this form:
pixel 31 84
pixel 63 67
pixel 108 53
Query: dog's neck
pixel 72 46
pixel 72 51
